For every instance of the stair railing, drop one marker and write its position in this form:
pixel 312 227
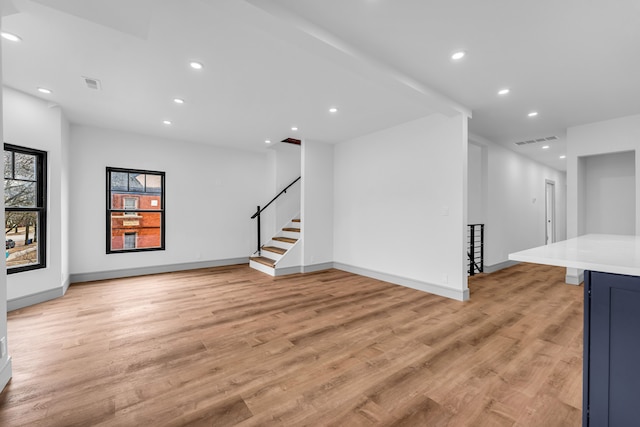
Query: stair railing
pixel 260 210
pixel 475 248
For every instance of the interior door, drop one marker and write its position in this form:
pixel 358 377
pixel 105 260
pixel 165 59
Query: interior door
pixel 550 209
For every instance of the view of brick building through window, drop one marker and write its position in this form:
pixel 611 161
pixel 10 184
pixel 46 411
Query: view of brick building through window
pixel 144 226
pixel 136 210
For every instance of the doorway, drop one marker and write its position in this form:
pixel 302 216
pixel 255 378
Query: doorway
pixel 550 212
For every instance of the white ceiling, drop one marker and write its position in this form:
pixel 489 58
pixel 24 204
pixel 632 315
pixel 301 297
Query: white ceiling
pixel 273 64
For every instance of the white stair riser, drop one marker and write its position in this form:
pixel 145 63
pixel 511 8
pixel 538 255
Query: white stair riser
pixel 261 267
pixel 279 244
pixel 291 234
pixel 273 255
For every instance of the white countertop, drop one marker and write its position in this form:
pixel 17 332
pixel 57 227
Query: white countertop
pixel 596 252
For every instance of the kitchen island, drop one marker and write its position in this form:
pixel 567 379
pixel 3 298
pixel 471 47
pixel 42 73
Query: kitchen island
pixel 611 364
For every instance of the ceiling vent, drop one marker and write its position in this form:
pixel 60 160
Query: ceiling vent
pixel 534 141
pixel 92 83
pixel 292 141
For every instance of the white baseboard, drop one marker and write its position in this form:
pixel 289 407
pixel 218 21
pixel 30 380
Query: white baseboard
pixel 284 271
pixel 36 298
pixel 499 266
pixel 317 267
pixel 142 271
pixel 409 283
pixel 5 373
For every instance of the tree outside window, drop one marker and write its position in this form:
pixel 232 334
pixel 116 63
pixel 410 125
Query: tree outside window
pixel 25 208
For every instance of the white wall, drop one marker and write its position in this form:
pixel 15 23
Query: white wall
pixel 475 184
pixel 210 195
pixel 400 204
pixel 5 360
pixel 515 201
pixel 34 123
pixel 317 204
pixel 610 202
pixel 288 168
pixel 610 136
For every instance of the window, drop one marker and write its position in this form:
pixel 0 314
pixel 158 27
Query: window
pixel 25 172
pixel 130 203
pixel 129 240
pixel 135 210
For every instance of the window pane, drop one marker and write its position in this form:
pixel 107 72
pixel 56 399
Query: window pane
pixel 25 165
pixel 119 181
pixel 21 239
pixel 129 201
pixel 154 184
pixel 145 225
pixel 130 240
pixel 8 164
pixel 136 182
pixel 19 194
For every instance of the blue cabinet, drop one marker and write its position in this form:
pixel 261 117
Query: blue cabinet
pixel 611 376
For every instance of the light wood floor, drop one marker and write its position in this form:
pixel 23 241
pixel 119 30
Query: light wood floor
pixel 232 346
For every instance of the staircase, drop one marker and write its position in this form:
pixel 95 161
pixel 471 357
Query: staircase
pixel 280 252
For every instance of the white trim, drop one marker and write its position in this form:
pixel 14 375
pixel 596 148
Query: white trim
pixel 460 295
pixel 6 373
pixel 499 266
pixel 36 298
pixel 262 268
pixel 283 271
pixel 130 272
pixel 316 267
pixel 571 279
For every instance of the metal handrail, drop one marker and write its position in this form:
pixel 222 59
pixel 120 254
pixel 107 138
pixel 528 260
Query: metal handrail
pixel 260 210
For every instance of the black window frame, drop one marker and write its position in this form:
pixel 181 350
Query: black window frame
pixel 110 210
pixel 40 208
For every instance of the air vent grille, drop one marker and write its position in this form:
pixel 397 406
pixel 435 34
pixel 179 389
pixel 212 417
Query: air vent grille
pixel 534 141
pixel 92 83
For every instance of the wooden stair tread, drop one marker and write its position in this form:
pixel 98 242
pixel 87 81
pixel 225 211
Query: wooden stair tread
pixel 285 239
pixel 295 220
pixel 274 249
pixel 264 260
pixel 295 230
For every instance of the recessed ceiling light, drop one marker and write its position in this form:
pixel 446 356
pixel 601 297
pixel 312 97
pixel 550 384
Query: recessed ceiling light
pixel 267 141
pixel 458 55
pixel 178 100
pixel 503 91
pixel 196 65
pixel 333 110
pixel 166 122
pixel 10 36
pixel 44 90
pixel 532 114
pixel 545 147
pixel 294 128
pixel 563 157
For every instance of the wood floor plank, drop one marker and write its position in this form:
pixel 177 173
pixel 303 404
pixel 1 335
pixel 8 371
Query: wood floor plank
pixel 230 346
